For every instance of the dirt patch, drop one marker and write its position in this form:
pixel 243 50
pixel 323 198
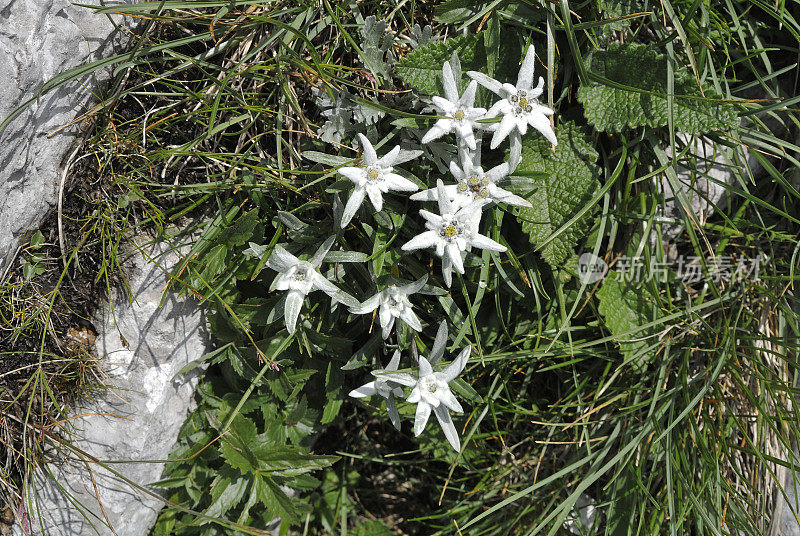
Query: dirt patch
pixel 46 334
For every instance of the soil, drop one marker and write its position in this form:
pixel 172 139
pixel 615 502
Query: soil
pixel 57 347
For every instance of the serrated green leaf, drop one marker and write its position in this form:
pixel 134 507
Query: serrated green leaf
pixel 422 68
pixel 236 445
pixel 226 492
pixel 275 500
pixel 214 262
pixel 238 457
pixel 635 94
pixel 238 233
pixel 625 309
pixel 570 179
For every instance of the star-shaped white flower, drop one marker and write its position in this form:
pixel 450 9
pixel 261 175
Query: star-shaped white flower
pixel 383 386
pixel 431 391
pixel 474 184
pixel 460 114
pixel 519 106
pixel 373 179
pixel 452 233
pixel 300 278
pixel 393 302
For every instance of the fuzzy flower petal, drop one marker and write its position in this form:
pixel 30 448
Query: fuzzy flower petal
pixel 519 106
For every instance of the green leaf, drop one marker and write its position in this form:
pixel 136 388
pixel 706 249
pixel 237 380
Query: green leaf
pixel 32 269
pixel 275 500
pixel 226 492
pixel 614 9
pixel 634 94
pixel 333 387
pixel 327 159
pixel 37 239
pixel 214 263
pixel 372 528
pixel 236 446
pixel 238 233
pixel 346 256
pixel 568 183
pixel 422 68
pixel 625 309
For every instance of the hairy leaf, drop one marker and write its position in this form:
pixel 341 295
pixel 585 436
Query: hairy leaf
pixel 625 309
pixel 638 96
pixel 422 68
pixel 238 233
pixel 568 181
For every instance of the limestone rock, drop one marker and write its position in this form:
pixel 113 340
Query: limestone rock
pixel 713 170
pixel 40 39
pixel 141 347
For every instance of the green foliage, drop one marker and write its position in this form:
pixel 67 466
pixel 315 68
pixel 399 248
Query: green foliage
pixel 625 308
pixel 614 9
pixel 633 93
pixel 550 415
pixel 33 263
pixel 567 181
pixel 372 528
pixel 251 469
pixel 422 68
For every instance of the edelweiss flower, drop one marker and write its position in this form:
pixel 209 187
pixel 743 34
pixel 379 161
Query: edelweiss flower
pixel 382 386
pixel 474 185
pixel 451 233
pixel 519 105
pixel 432 392
pixel 459 111
pixel 374 179
pixel 300 278
pixel 393 301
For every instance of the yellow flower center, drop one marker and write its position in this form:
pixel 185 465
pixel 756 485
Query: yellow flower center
pixel 432 388
pixel 450 231
pixel 459 115
pixel 523 102
pixel 372 174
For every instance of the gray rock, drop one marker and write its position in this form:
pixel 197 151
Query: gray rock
pixel 40 39
pixel 713 171
pixel 704 186
pixel 142 346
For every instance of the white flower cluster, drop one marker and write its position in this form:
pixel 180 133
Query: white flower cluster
pixel 451 233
